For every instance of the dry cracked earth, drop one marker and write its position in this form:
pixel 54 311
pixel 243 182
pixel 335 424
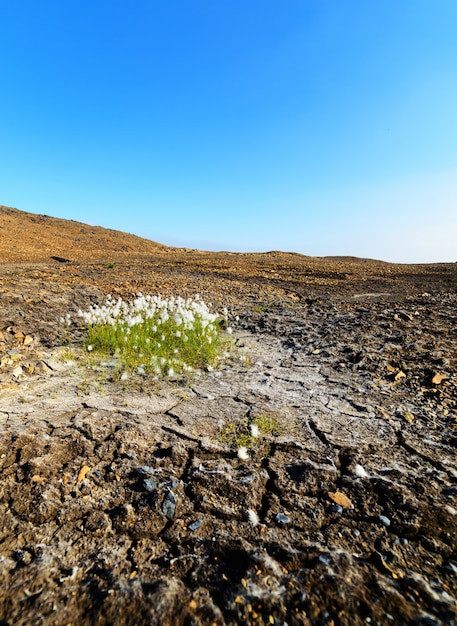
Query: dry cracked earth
pixel 125 502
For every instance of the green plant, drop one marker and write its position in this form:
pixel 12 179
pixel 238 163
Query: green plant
pixel 247 433
pixel 156 336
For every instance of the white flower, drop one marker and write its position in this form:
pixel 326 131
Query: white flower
pixel 255 432
pixel 243 453
pixel 90 348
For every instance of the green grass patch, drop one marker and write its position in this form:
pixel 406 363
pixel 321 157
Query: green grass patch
pixel 151 335
pixel 249 433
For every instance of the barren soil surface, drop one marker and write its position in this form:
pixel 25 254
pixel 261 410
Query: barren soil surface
pixel 124 501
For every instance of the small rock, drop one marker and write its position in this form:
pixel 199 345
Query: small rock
pixel 85 469
pixel 385 521
pixel 169 506
pixel 17 372
pixel 150 484
pixel 280 518
pixel 339 498
pixel 438 378
pixel 28 340
pixel 325 559
pixel 195 525
pixel 450 509
pixel 44 367
pixel 360 471
pixel 337 508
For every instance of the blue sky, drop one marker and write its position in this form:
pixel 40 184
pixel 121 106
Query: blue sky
pixel 325 127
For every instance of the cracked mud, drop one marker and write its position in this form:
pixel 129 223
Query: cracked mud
pixel 124 502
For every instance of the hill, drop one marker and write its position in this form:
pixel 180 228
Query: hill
pixel 37 238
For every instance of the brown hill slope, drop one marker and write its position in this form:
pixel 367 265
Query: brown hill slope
pixel 123 264
pixel 35 238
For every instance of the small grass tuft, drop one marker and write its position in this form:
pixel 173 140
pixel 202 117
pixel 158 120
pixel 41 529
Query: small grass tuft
pixel 247 433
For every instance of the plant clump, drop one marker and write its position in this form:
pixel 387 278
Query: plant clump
pixel 248 435
pixel 153 335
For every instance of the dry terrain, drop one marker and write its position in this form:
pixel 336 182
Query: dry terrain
pixel 123 500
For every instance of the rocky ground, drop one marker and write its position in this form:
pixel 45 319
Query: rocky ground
pixel 125 502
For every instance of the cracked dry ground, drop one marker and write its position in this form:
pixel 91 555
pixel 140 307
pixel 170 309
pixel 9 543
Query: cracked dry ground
pixel 128 504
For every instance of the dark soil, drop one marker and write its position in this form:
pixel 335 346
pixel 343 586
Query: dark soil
pixel 129 505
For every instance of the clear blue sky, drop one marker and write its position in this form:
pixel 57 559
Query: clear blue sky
pixel 327 127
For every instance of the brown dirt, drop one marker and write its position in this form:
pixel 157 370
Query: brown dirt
pixel 354 359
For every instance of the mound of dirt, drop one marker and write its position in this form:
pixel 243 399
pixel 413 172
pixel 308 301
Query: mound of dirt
pixel 123 500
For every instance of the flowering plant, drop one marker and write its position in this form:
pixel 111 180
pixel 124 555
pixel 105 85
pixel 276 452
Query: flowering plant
pixel 155 335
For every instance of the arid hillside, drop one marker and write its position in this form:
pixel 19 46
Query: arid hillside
pixel 122 263
pixel 36 238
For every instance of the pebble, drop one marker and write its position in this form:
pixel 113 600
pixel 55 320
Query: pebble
pixel 282 519
pixel 325 559
pixel 450 509
pixel 169 506
pixel 360 471
pixel 17 372
pixel 337 508
pixel 195 525
pixel 150 484
pixel 385 521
